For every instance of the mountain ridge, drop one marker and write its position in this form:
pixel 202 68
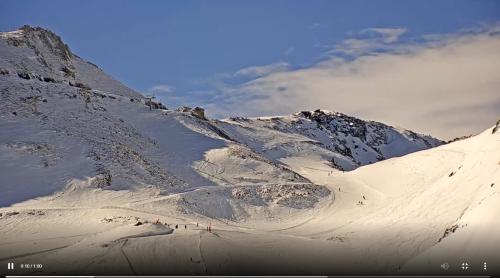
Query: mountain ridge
pixel 352 142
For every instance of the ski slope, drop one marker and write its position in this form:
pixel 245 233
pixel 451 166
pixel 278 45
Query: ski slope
pixel 393 230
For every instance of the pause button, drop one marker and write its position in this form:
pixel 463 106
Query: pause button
pixel 10 265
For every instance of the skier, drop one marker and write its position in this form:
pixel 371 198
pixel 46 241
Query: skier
pixel 176 226
pixel 185 227
pixel 364 197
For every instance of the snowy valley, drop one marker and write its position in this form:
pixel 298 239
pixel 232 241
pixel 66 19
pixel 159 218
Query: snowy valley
pixel 96 179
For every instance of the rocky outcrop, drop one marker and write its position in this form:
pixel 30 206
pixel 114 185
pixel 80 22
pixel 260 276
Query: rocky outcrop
pixel 497 127
pixel 37 37
pixel 197 112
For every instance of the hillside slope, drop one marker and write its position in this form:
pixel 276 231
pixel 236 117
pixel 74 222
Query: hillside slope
pixel 74 132
pixel 411 223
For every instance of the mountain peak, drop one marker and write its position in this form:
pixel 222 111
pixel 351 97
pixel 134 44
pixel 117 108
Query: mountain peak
pixel 35 53
pixel 318 114
pixel 39 39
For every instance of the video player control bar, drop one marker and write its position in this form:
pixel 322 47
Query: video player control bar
pixel 197 276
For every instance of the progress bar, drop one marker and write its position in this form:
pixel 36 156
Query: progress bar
pixel 259 276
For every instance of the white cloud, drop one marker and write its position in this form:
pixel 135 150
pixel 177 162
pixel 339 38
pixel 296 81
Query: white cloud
pixel 447 87
pixel 161 89
pixel 355 46
pixel 257 71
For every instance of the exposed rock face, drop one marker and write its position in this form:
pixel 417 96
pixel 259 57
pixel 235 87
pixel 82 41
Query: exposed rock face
pixel 47 39
pixel 293 196
pixel 338 122
pixel 155 105
pixel 459 138
pixel 497 126
pixel 184 109
pixel 199 113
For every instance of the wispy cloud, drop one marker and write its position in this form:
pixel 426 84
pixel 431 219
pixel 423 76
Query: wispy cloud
pixel 446 86
pixel 161 89
pixel 368 40
pixel 258 71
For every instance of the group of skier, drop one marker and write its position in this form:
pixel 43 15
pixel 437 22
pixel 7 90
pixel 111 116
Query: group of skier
pixel 208 228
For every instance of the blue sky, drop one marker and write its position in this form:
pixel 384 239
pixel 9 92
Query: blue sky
pixel 193 49
pixel 144 43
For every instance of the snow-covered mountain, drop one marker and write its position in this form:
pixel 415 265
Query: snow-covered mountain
pixel 90 174
pixel 345 141
pixel 82 124
pixel 72 130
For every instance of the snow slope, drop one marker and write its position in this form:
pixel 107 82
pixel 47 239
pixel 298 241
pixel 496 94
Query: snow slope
pixel 417 211
pixel 433 217
pixel 473 200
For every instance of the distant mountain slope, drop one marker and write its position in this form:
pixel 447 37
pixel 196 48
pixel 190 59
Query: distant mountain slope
pixel 346 141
